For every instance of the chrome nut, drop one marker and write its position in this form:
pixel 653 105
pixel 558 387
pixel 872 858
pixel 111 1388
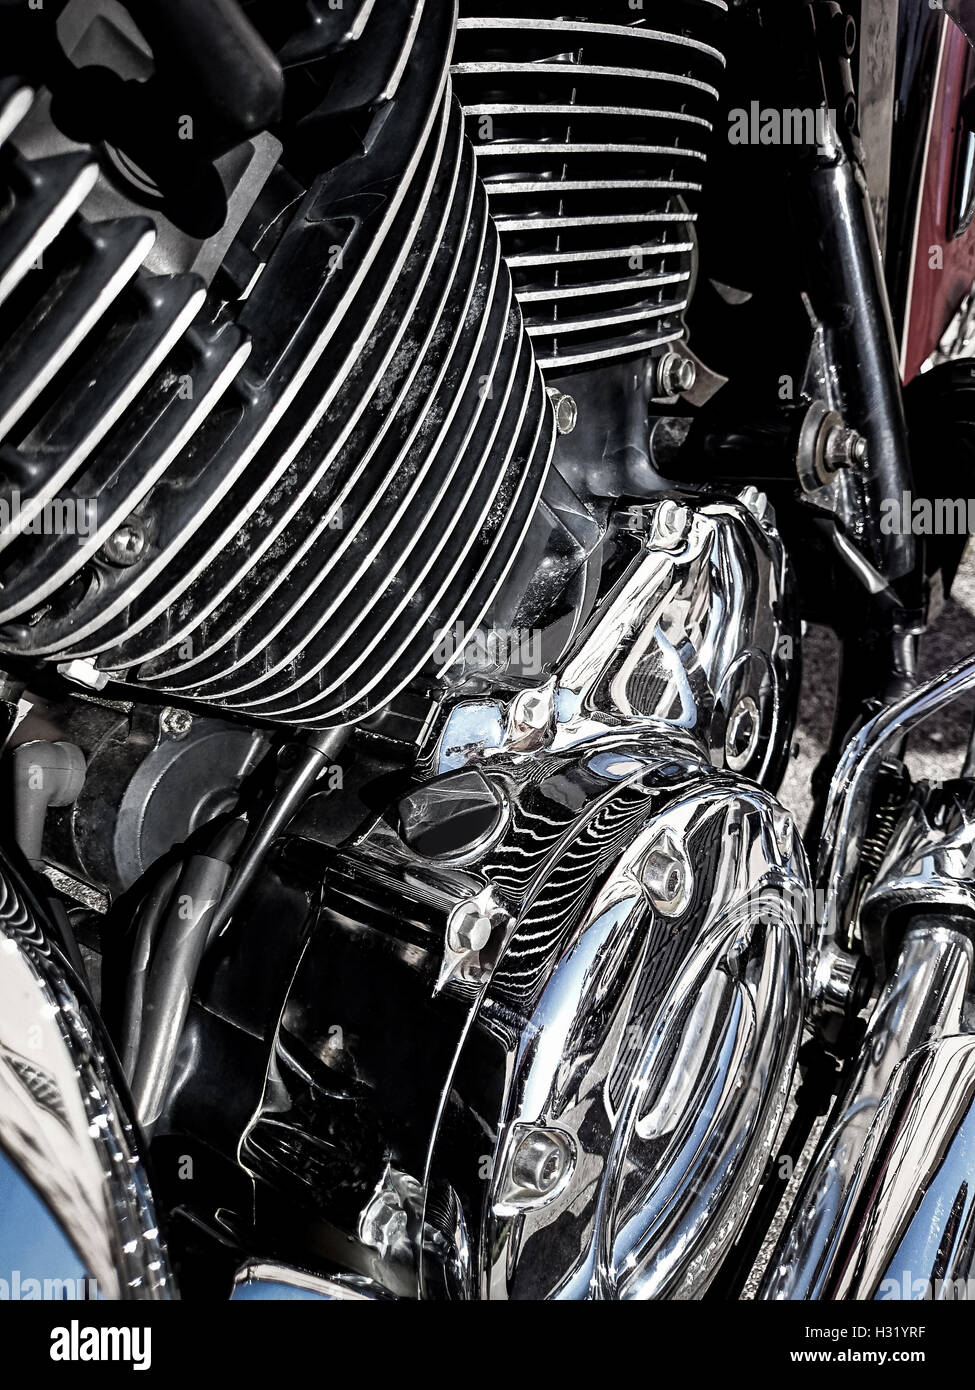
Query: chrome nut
pixel 667 876
pixel 540 1165
pixel 743 734
pixel 676 374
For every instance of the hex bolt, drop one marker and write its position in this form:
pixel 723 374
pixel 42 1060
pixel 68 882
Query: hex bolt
pixel 539 1164
pixel 841 984
pixel 676 374
pixel 469 927
pixel 671 521
pixel 566 410
pixel 844 448
pixel 83 673
pixel 383 1224
pixel 127 544
pixel 175 723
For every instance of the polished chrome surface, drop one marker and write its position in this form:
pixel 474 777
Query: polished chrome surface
pixel 644 1047
pixel 851 795
pixel 921 1002
pixel 928 864
pixel 62 1117
pixel 578 1098
pixel 698 636
pixel 904 1230
pixel 914 1240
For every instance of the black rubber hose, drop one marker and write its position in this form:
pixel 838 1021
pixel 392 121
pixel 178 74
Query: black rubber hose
pixel 202 903
pixel 317 756
pixel 224 847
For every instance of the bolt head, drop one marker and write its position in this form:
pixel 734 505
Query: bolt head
pixel 383 1224
pixel 675 374
pixel 469 928
pixel 667 876
pixel 742 734
pixel 83 673
pixel 127 544
pixel 664 878
pixel 783 831
pixel 671 522
pixel 539 1164
pixel 175 723
pixel 531 710
pixel 754 501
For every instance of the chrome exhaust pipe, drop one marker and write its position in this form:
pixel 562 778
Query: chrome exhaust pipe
pixel 867 1175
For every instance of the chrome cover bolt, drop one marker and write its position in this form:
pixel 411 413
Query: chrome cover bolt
pixel 667 876
pixel 754 501
pixel 670 524
pixel 840 985
pixel 175 723
pixel 539 1164
pixel 127 545
pixel 844 448
pixel 470 925
pixel 531 710
pixel 742 735
pixel 566 411
pixel 675 374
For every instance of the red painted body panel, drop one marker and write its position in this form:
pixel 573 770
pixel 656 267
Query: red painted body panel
pixel 943 271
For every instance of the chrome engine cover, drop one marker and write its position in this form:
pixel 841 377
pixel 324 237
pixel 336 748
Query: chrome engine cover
pixel 608 979
pixel 699 634
pixel 649 1065
pixel 548 1019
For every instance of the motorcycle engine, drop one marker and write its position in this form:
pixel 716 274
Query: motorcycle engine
pixel 333 332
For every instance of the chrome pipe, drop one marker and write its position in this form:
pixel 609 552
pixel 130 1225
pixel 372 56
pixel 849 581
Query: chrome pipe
pixel 921 1003
pixel 917 1237
pixel 851 797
